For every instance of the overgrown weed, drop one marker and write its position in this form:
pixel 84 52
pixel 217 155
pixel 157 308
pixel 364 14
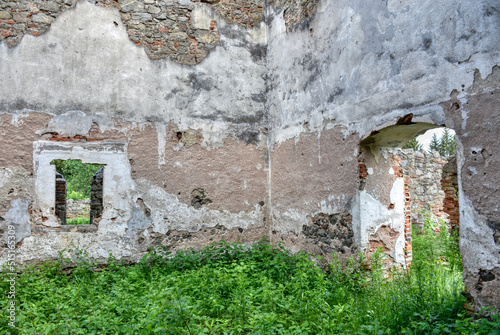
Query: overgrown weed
pixel 229 288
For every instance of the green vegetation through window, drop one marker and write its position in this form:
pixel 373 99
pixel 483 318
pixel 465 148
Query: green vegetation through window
pixel 79 177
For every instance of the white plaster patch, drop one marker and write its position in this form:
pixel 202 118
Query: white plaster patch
pixel 472 169
pixel 202 16
pixel 71 123
pixel 17 118
pixel 290 220
pixel 5 175
pixel 168 213
pixel 18 218
pixel 161 133
pixel 369 215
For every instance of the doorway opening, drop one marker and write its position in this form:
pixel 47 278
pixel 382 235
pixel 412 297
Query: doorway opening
pixel 408 183
pixel 434 178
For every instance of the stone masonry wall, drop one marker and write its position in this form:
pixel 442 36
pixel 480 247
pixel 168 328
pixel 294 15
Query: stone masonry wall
pixel 78 208
pixel 164 28
pixel 247 127
pixel 433 192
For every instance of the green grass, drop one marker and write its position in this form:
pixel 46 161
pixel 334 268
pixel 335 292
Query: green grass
pixel 77 220
pixel 232 289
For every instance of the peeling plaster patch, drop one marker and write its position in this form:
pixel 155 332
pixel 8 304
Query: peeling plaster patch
pixel 290 220
pixel 97 245
pixel 472 169
pixel 138 220
pixel 465 116
pixel 369 215
pixel 18 217
pixel 476 237
pixel 17 118
pixel 15 182
pixel 161 131
pixel 168 213
pixel 202 16
pixel 71 123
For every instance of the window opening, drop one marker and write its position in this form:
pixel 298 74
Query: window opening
pixel 78 191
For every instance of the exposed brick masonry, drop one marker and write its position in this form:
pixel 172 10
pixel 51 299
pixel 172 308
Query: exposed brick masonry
pixel 96 204
pixel 163 27
pixel 449 184
pixel 60 198
pixel 399 171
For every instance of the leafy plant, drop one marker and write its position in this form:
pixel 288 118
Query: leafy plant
pixel 78 177
pixel 229 288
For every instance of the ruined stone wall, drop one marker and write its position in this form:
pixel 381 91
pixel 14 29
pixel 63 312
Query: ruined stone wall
pixel 427 196
pixel 235 120
pixel 114 83
pixel 433 186
pixel 143 203
pixel 362 68
pixel 78 208
pixel 88 70
pixel 164 28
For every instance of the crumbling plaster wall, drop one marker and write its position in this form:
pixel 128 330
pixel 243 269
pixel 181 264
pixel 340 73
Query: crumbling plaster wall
pixel 315 174
pixel 82 83
pixel 87 63
pixel 379 209
pixel 360 67
pixel 476 120
pixel 270 84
